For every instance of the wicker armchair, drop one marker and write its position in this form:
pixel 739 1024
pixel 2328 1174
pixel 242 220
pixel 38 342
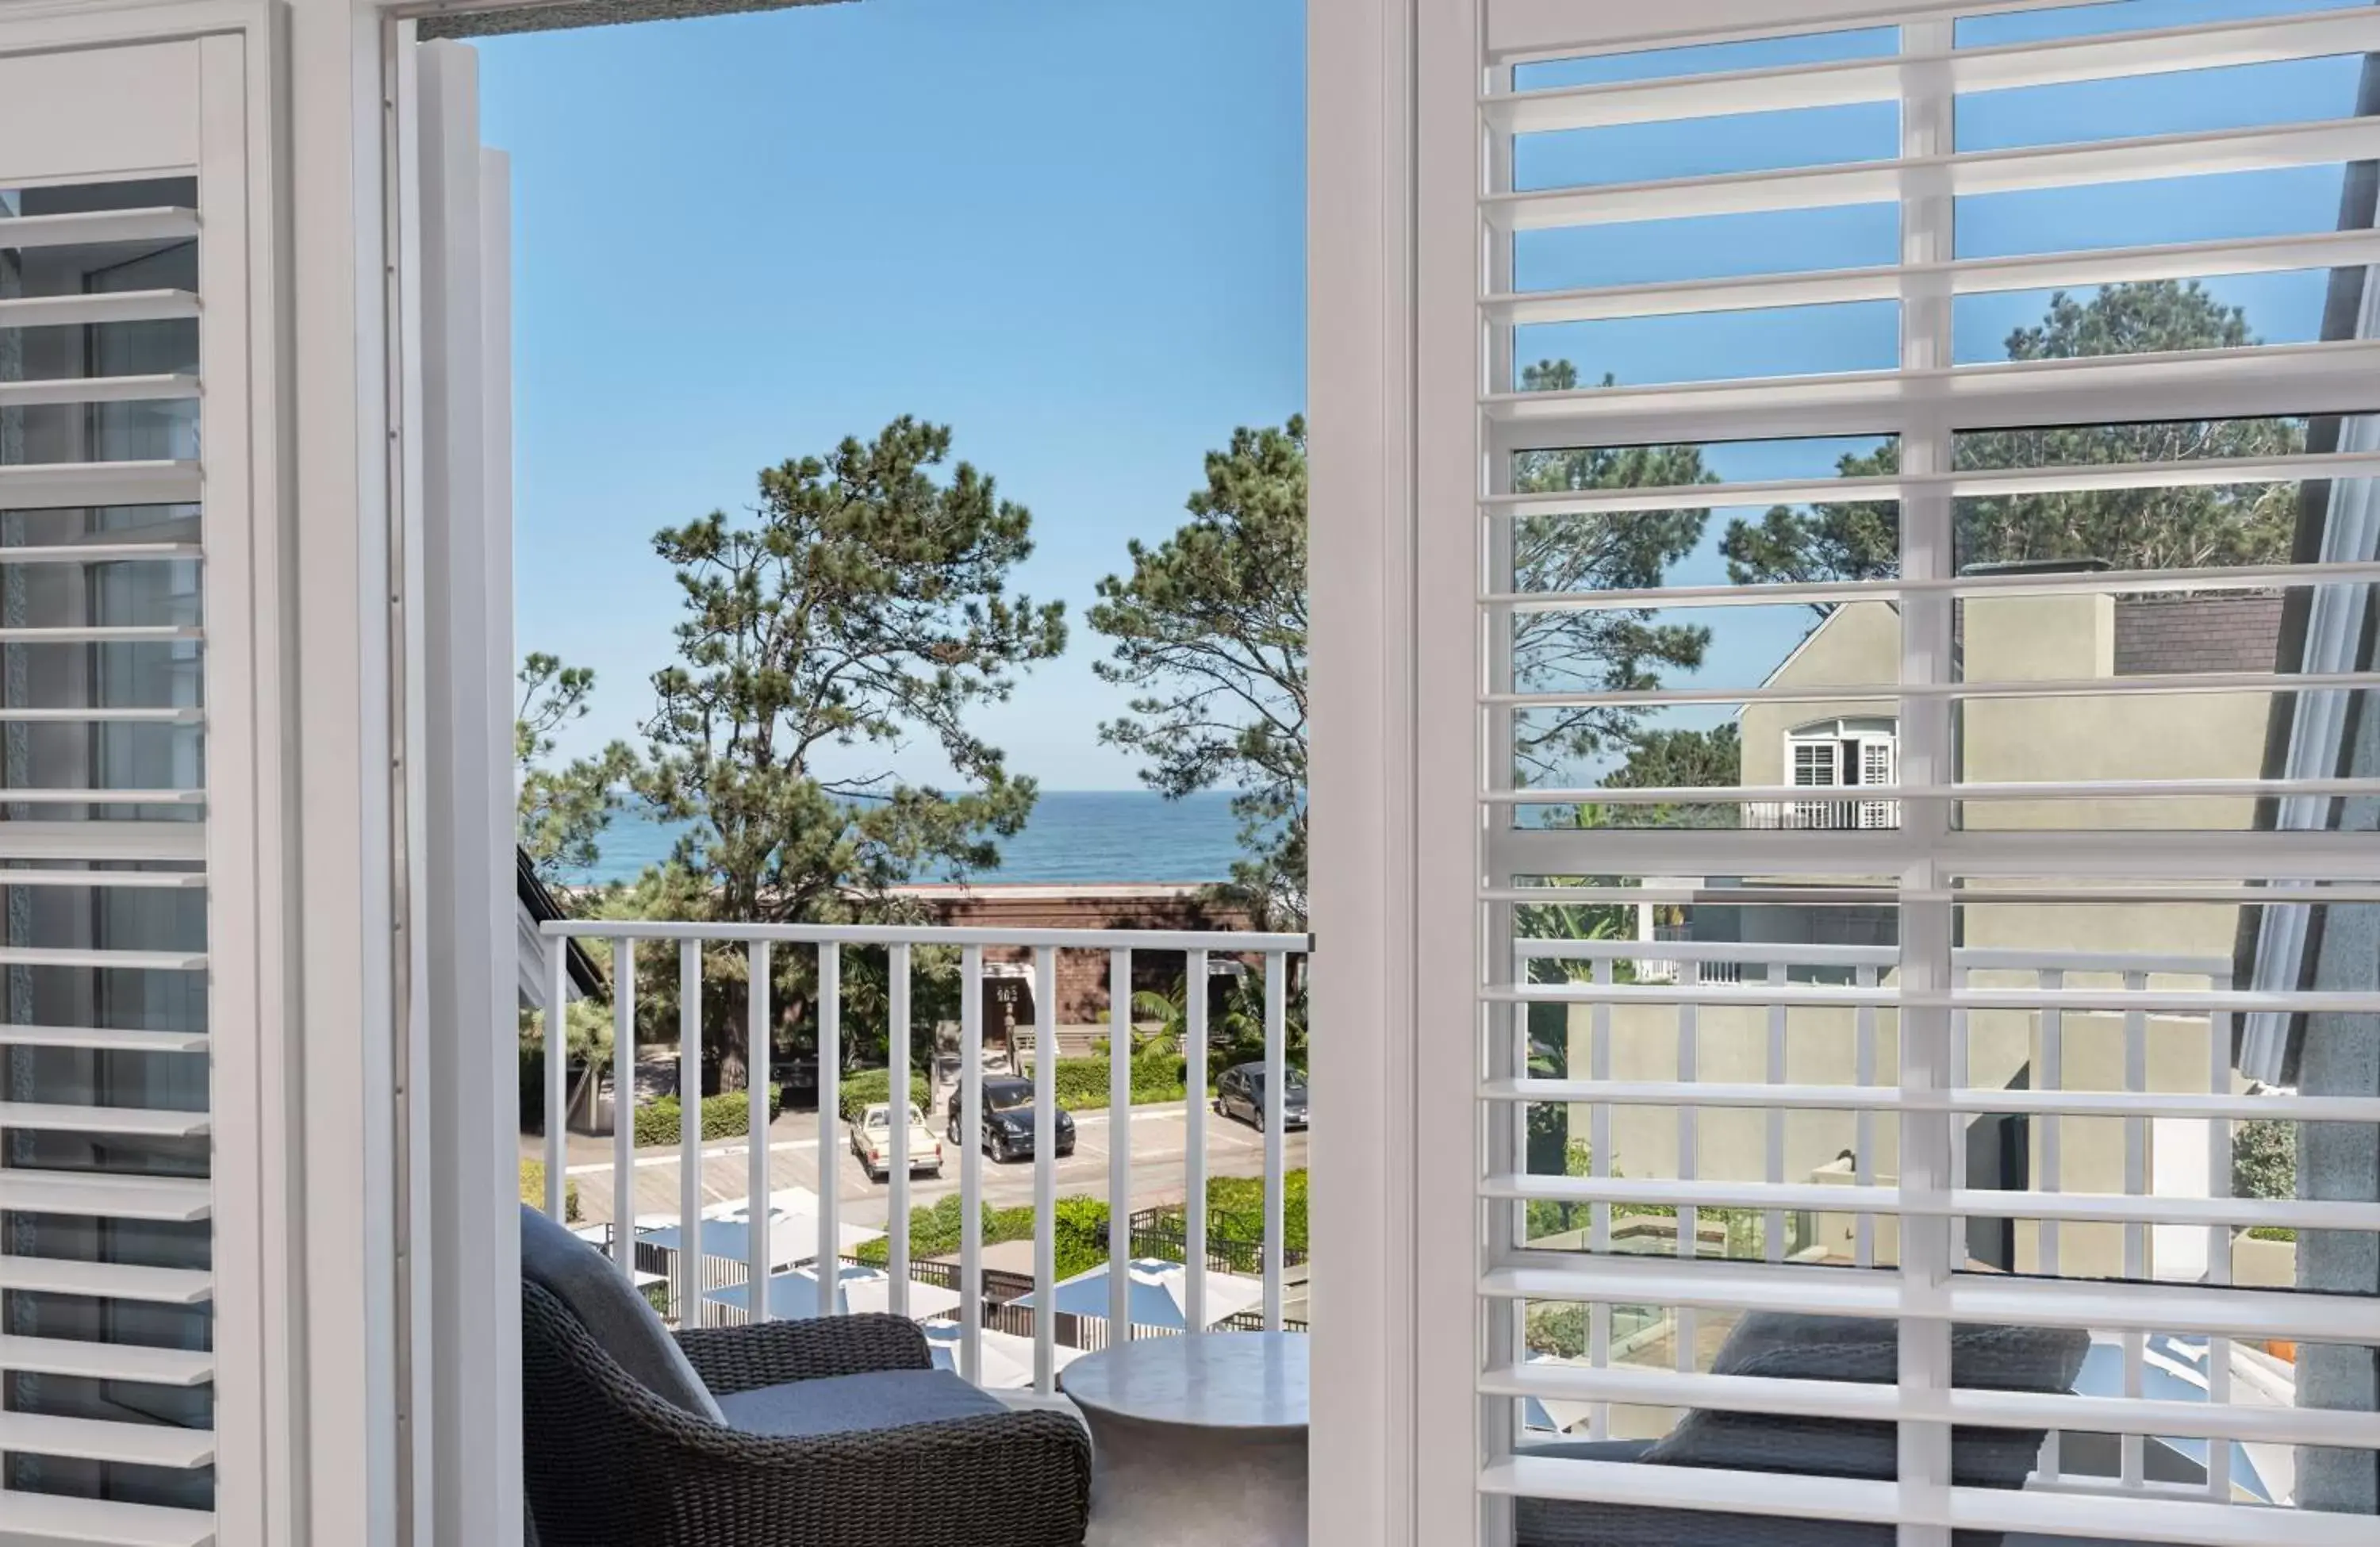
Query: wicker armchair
pixel 610 1463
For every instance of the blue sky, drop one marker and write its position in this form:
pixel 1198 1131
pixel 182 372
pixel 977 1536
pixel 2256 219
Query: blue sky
pixel 1072 229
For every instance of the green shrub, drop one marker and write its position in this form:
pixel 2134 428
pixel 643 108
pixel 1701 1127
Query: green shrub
pixel 934 1231
pixel 2271 1233
pixel 728 1115
pixel 532 1190
pixel 1156 1077
pixel 2265 1159
pixel 1559 1330
pixel 862 1088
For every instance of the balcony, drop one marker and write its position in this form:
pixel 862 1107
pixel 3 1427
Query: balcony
pixel 1000 1311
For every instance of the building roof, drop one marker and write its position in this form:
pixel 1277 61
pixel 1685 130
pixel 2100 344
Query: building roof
pixel 2215 631
pixel 473 20
pixel 537 906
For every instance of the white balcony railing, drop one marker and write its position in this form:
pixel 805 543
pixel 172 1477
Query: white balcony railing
pixel 1830 815
pixel 690 1275
pixel 2176 1223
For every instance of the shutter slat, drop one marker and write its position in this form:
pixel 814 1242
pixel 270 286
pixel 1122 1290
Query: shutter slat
pixel 103 960
pixel 159 881
pixel 1965 277
pixel 103 1038
pixel 71 485
pixel 56 1521
pixel 98 308
pixel 103 841
pixel 95 227
pixel 106 1281
pixel 2045 789
pixel 1740 1286
pixel 178 1200
pixel 2048 688
pixel 2133 582
pixel 43 795
pixel 76 715
pixel 97 389
pixel 1880 1098
pixel 1817 1198
pixel 1883 1402
pixel 101 553
pixel 2060 1515
pixel 125 1120
pixel 1844 83
pixel 2212 471
pixel 106 1361
pixel 1977 172
pixel 2194 383
pixel 139 1445
pixel 93 633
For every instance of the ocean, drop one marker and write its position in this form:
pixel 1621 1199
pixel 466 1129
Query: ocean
pixel 1078 834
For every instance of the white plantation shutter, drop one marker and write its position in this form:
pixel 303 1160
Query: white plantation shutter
pixel 1964 1072
pixel 128 799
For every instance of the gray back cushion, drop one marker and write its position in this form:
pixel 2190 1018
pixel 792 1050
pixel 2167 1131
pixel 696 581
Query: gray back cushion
pixel 1787 1345
pixel 612 1311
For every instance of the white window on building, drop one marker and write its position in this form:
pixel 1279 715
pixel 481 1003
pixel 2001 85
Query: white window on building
pixel 1842 754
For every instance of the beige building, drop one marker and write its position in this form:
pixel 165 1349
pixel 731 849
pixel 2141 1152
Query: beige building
pixel 1840 745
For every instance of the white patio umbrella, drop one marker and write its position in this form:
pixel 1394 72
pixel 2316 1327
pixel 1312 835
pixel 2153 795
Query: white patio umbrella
pixel 1007 1359
pixel 1159 1295
pixel 792 1236
pixel 794 1296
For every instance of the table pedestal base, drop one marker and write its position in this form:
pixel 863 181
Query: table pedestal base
pixel 1172 1485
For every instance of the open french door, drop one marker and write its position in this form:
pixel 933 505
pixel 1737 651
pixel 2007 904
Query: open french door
pixel 139 791
pixel 458 1022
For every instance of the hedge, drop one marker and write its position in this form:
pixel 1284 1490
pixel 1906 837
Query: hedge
pixel 1082 1085
pixel 727 1116
pixel 862 1088
pixel 532 1190
pixel 1234 1214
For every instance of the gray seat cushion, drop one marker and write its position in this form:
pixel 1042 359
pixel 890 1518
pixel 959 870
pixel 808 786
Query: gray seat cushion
pixel 843 1404
pixel 1787 1345
pixel 612 1311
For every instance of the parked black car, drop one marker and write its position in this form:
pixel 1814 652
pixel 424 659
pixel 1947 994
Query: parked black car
pixel 1008 1121
pixel 1241 1093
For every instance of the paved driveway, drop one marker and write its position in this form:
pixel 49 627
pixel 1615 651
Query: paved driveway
pixel 1157 1136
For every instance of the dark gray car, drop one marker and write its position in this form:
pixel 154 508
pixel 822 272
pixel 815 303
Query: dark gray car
pixel 1008 1121
pixel 1241 1093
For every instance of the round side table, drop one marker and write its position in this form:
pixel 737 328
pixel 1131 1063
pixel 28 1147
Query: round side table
pixel 1196 1441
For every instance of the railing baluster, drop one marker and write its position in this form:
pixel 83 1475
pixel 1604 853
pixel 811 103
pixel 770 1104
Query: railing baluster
pixel 2053 1077
pixel 1276 1079
pixel 897 1089
pixel 624 1105
pixel 1120 1150
pixel 1688 1221
pixel 759 1227
pixel 1194 1139
pixel 1864 1124
pixel 1598 1163
pixel 689 1133
pixel 971 1162
pixel 557 1076
pixel 1772 1227
pixel 2134 1448
pixel 2219 1236
pixel 1045 1170
pixel 829 1261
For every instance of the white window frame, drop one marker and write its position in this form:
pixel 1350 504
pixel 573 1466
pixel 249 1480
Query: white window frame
pixel 1867 737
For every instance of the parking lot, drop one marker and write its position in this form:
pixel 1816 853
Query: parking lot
pixel 1157 1136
